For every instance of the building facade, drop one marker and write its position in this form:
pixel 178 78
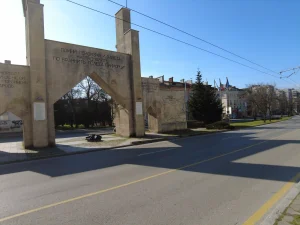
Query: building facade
pixel 233 102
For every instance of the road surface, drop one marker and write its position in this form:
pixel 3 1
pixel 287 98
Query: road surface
pixel 60 134
pixel 222 178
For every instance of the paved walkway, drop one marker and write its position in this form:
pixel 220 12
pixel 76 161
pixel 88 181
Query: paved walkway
pixel 11 151
pixel 11 147
pixel 291 215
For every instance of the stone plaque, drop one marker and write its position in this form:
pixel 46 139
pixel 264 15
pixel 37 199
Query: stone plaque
pixel 139 108
pixel 39 111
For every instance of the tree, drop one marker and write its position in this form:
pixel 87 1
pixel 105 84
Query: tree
pixel 282 103
pixel 94 94
pixel 262 98
pixel 86 104
pixel 74 93
pixel 204 104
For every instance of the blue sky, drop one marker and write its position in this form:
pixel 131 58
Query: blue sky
pixel 264 31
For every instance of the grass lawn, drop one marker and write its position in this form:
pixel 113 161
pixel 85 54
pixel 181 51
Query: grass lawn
pixel 257 122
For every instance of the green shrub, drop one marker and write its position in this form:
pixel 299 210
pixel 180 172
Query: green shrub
pixel 220 125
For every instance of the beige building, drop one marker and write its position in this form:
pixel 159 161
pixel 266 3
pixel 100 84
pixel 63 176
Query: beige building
pixel 233 102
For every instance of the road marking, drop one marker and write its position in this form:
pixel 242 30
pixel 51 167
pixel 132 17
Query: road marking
pixel 268 205
pixel 148 153
pixel 133 182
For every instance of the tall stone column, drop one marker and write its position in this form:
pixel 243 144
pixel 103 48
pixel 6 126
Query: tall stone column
pixel 128 42
pixel 51 125
pixel 35 48
pixel 27 131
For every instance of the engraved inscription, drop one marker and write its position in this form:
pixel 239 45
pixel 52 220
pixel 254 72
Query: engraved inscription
pixel 12 79
pixel 89 58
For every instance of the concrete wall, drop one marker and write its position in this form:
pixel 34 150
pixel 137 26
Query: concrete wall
pixel 14 89
pixel 173 110
pixel 68 64
pixel 165 107
pixel 15 96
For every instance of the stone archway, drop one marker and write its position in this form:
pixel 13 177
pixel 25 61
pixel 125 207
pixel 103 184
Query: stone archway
pixel 68 64
pixel 55 67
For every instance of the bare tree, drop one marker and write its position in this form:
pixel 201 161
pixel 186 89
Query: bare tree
pixel 282 103
pixel 262 98
pixel 74 93
pixel 91 91
pixel 88 88
pixel 94 102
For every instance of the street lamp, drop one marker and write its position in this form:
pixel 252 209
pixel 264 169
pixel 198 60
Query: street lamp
pixel 185 96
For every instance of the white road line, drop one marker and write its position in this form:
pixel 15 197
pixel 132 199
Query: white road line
pixel 148 153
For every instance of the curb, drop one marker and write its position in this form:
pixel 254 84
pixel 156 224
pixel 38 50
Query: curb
pixel 149 141
pixel 275 212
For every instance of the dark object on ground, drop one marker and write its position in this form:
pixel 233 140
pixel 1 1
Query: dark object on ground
pixel 94 137
pixel 219 125
pixel 114 129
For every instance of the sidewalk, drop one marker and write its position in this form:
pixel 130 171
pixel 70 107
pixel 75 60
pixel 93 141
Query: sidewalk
pixel 291 215
pixel 11 150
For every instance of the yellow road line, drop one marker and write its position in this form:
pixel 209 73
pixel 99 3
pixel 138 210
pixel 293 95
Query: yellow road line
pixel 268 205
pixel 133 182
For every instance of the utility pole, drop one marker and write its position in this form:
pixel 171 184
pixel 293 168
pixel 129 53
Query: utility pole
pixel 185 97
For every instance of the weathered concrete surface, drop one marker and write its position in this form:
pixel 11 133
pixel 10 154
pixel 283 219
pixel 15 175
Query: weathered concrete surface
pixel 14 89
pixel 15 96
pixel 165 107
pixel 68 64
pixel 128 42
pixel 35 53
pixel 56 67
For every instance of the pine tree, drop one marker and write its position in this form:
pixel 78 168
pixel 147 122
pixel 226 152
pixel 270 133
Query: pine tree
pixel 204 104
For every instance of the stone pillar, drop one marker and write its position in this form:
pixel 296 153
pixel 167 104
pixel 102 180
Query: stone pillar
pixel 27 131
pixel 122 122
pixel 35 48
pixel 51 125
pixel 128 42
pixel 124 119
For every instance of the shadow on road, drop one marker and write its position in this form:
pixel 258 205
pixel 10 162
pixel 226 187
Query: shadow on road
pixel 189 151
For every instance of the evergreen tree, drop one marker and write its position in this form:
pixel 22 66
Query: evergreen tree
pixel 204 104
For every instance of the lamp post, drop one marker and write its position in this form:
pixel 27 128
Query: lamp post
pixel 185 96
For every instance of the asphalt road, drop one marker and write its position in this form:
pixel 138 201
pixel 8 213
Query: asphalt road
pixel 209 180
